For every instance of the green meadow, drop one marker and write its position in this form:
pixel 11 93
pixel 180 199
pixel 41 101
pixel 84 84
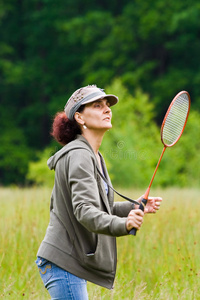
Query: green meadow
pixel 161 262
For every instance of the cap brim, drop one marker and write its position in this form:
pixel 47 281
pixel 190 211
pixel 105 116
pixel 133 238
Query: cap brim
pixel 112 99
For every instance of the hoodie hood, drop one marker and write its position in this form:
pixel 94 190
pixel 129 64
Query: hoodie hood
pixel 52 161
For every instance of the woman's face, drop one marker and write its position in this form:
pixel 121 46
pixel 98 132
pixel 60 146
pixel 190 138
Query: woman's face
pixel 97 115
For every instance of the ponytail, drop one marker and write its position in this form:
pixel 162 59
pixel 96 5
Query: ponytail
pixel 63 129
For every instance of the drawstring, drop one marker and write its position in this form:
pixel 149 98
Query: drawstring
pixel 127 198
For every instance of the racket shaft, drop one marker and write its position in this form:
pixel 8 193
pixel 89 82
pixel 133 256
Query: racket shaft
pixel 163 151
pixel 144 200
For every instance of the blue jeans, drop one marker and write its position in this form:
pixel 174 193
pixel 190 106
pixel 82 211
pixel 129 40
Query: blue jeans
pixel 61 284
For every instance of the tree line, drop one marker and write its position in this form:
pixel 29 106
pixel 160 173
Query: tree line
pixel 50 48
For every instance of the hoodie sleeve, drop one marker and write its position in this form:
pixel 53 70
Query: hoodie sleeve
pixel 88 206
pixel 122 209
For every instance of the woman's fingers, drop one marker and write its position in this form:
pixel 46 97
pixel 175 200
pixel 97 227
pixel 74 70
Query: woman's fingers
pixel 134 219
pixel 153 204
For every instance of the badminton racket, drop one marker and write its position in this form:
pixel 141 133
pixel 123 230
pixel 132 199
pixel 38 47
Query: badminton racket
pixel 172 128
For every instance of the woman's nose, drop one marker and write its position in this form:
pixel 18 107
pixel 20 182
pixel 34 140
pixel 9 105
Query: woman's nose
pixel 107 108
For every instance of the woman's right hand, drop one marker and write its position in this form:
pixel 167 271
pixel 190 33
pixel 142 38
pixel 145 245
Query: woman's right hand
pixel 134 219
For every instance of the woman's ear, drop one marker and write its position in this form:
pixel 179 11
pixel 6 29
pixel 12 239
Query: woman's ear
pixel 78 118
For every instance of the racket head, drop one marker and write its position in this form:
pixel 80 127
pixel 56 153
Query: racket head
pixel 175 119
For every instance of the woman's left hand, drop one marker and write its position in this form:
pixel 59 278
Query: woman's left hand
pixel 153 204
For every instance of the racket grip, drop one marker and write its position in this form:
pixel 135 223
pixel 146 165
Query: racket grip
pixel 143 203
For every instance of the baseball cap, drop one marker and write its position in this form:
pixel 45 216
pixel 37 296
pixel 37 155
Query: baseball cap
pixel 86 95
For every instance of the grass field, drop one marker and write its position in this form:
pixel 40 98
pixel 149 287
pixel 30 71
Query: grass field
pixel 161 262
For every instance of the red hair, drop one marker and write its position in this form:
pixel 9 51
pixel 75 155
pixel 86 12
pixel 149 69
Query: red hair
pixel 63 129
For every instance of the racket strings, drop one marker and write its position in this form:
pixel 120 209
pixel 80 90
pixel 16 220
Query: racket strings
pixel 175 120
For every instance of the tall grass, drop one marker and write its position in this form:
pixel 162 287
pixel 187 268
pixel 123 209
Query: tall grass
pixel 161 262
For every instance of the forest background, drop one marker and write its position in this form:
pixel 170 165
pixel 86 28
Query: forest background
pixel 144 52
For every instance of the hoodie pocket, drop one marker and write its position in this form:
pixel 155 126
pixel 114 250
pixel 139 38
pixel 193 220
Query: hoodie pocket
pixel 104 258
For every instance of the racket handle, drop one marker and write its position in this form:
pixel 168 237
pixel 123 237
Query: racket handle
pixel 143 203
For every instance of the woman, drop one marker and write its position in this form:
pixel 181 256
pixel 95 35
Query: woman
pixel 80 242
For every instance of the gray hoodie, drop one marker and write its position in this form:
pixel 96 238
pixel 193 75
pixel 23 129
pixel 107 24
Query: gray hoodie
pixel 84 220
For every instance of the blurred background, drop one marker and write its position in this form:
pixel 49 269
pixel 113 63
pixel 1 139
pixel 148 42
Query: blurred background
pixel 143 51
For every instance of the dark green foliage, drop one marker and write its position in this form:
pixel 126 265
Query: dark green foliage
pixel 50 48
pixel 133 146
pixel 14 156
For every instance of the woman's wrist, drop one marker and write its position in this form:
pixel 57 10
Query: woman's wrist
pixel 135 206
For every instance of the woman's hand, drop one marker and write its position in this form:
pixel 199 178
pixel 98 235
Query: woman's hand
pixel 134 219
pixel 153 204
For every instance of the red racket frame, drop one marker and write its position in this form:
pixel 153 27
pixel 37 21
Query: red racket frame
pixel 146 195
